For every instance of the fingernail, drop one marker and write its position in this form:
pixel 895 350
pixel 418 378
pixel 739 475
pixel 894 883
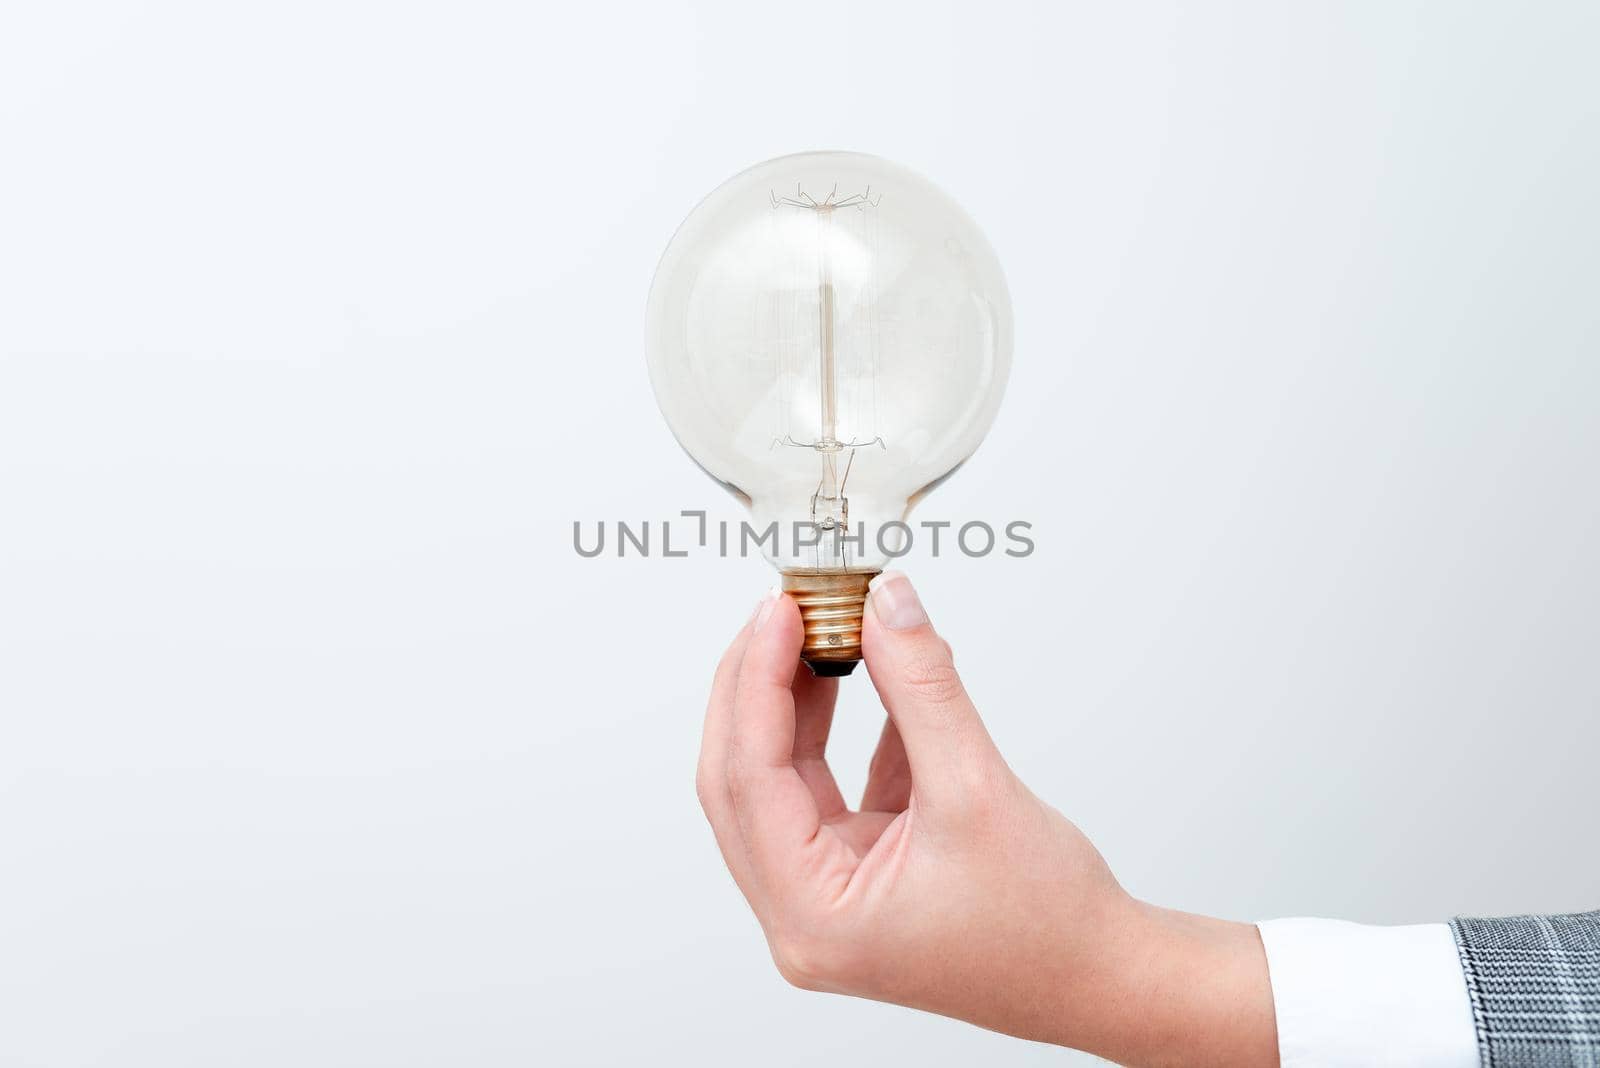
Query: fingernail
pixel 894 602
pixel 764 608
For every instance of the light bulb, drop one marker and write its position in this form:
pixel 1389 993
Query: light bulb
pixel 830 336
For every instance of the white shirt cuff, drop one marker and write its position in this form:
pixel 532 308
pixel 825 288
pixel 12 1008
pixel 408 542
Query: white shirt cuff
pixel 1349 994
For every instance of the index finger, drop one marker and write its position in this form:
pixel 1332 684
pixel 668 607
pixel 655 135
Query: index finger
pixel 775 808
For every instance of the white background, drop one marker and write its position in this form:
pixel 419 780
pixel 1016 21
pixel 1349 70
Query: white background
pixel 320 324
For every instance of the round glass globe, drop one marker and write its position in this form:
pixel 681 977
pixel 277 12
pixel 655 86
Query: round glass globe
pixel 829 337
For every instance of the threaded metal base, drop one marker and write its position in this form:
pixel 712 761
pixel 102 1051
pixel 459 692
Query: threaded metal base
pixel 831 603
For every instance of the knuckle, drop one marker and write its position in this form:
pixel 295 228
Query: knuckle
pixel 737 784
pixel 932 678
pixel 815 948
pixel 728 662
pixel 984 802
pixel 804 961
pixel 977 809
pixel 705 788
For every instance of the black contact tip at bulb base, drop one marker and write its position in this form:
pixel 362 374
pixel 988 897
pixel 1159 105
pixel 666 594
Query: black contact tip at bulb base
pixel 831 669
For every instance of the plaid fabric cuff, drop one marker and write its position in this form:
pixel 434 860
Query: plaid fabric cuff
pixel 1534 984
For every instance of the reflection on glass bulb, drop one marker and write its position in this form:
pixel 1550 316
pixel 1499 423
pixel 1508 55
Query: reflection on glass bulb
pixel 830 337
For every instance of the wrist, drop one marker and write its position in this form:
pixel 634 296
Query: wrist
pixel 1182 989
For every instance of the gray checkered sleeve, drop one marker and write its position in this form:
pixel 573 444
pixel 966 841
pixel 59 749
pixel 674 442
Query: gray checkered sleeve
pixel 1534 984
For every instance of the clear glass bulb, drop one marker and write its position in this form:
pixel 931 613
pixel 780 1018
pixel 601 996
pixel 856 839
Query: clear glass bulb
pixel 830 336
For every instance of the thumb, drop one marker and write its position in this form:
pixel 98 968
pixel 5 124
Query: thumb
pixel 950 752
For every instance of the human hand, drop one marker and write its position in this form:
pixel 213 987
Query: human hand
pixel 952 888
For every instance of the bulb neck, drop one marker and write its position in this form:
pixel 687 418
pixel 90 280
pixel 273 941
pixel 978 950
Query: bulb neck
pixel 831 604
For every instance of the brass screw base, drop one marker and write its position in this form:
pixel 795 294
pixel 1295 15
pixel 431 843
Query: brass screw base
pixel 831 603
